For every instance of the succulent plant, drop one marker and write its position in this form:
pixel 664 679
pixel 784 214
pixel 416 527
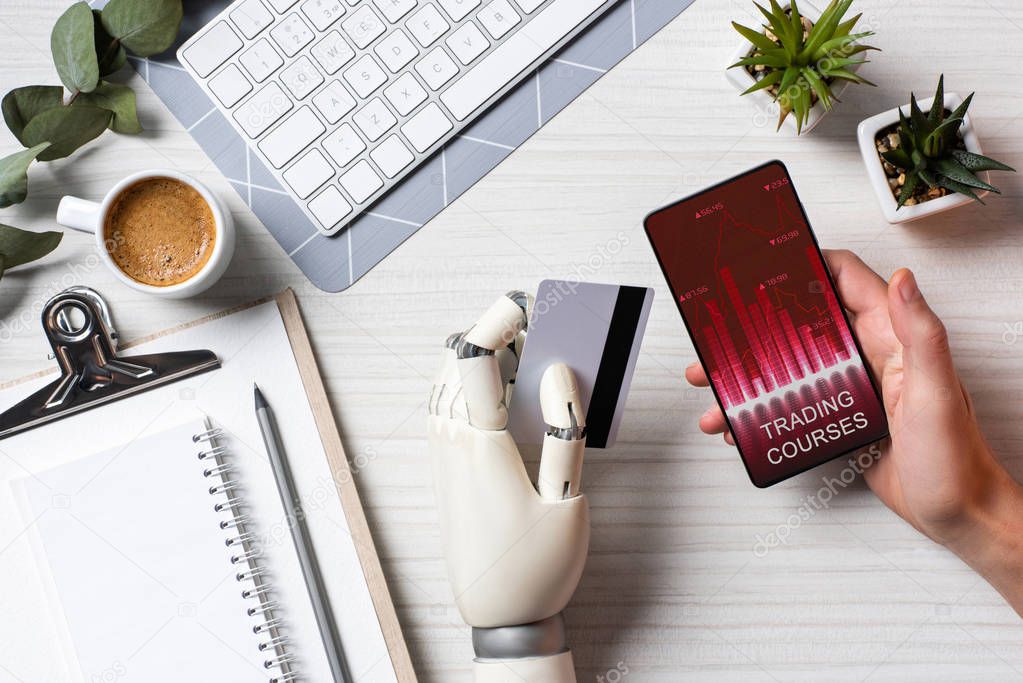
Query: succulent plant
pixel 929 150
pixel 800 65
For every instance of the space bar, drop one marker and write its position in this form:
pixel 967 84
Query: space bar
pixel 510 59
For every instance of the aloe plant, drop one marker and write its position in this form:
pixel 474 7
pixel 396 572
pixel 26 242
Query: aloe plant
pixel 929 150
pixel 800 65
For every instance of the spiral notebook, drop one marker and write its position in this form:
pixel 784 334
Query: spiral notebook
pixel 164 567
pixel 120 538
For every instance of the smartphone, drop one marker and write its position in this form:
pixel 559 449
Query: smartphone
pixel 758 301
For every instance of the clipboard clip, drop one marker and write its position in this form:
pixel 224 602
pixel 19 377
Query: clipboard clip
pixel 80 330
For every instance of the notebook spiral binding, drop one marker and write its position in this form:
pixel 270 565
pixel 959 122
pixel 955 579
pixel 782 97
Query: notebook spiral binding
pixel 253 574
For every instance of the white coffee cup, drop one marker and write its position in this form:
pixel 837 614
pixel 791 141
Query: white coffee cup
pixel 87 216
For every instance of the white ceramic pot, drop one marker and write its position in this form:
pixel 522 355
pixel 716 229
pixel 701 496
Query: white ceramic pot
pixel 867 131
pixel 765 104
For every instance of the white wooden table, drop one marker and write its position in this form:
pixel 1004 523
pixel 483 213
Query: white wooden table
pixel 673 588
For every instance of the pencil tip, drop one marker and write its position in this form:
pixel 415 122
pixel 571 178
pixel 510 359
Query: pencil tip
pixel 260 401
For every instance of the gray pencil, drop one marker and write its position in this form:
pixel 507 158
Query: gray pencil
pixel 300 535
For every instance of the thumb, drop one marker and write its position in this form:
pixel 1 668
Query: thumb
pixel 926 358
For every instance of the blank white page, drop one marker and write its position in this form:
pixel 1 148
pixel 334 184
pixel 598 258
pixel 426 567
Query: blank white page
pixel 138 564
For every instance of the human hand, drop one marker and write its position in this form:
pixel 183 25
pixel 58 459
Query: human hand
pixel 936 470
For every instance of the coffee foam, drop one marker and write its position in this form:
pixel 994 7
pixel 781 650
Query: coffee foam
pixel 160 231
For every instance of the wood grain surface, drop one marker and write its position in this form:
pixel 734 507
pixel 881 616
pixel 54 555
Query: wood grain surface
pixel 674 588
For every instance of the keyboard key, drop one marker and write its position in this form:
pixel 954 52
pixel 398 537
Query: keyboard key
pixel 230 85
pixel 405 94
pixel 282 6
pixel 365 76
pixel 333 52
pixel 459 9
pixel 301 78
pixel 394 10
pixel 251 17
pixel 308 174
pixel 396 50
pixel 363 27
pixel 506 63
pixel 261 60
pixel 322 13
pixel 374 119
pixel 333 102
pixel 468 43
pixel 292 34
pixel 498 18
pixel 529 6
pixel 436 68
pixel 426 127
pixel 330 207
pixel 392 156
pixel 343 145
pixel 361 182
pixel 263 110
pixel 291 137
pixel 212 49
pixel 427 25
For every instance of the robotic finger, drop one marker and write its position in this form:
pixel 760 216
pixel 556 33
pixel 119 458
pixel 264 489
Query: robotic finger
pixel 561 461
pixel 483 363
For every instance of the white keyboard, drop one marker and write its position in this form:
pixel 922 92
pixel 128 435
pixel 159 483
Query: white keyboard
pixel 344 98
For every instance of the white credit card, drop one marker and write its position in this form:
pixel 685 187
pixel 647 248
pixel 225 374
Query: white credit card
pixel 596 330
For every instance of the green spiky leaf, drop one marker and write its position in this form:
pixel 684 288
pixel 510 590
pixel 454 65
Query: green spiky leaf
pixel 899 158
pixel 937 112
pixel 952 185
pixel 765 82
pixel 978 162
pixel 952 169
pixel 908 188
pixel 758 38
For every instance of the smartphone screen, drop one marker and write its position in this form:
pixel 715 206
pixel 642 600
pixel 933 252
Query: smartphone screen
pixel 758 301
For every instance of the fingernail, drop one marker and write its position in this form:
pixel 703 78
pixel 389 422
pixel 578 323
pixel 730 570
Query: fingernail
pixel 908 289
pixel 691 366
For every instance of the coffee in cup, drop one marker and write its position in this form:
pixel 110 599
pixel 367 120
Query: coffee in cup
pixel 160 231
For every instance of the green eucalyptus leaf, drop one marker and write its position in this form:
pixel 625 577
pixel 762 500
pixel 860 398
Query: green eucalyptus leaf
pixel 14 175
pixel 109 51
pixel 21 105
pixel 73 46
pixel 68 128
pixel 119 100
pixel 18 246
pixel 146 27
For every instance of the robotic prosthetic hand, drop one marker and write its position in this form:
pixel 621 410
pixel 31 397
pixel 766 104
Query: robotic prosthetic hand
pixel 515 553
